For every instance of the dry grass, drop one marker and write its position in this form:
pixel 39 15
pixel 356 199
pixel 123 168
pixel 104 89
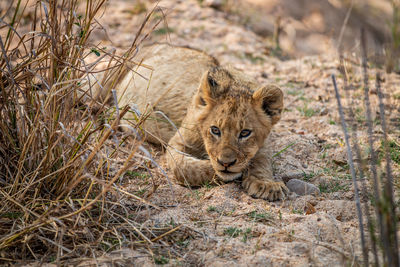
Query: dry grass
pixel 381 228
pixel 58 191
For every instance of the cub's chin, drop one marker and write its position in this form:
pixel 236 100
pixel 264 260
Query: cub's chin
pixel 227 176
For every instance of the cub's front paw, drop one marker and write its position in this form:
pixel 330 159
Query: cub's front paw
pixel 266 189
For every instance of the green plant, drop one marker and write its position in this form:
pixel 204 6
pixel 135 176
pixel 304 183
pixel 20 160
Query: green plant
pixel 247 233
pixel 307 111
pixel 295 92
pixel 162 31
pixel 183 243
pixel 393 149
pixel 135 174
pixel 160 260
pixel 232 232
pixel 283 150
pixel 296 211
pixel 211 209
pixel 254 59
pixel 197 194
pixel 359 114
pixel 333 186
pixel 309 175
pixel 209 184
pixel 141 192
pixel 260 216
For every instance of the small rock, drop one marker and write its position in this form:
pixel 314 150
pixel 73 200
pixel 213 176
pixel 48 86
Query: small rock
pixel 220 232
pixel 300 248
pixel 340 156
pixel 323 111
pixel 292 196
pixel 323 181
pixel 291 175
pixel 349 195
pixel 217 4
pixel 262 27
pixel 302 188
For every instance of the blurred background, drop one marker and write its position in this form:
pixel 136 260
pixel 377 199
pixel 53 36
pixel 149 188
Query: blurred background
pixel 291 29
pixel 312 27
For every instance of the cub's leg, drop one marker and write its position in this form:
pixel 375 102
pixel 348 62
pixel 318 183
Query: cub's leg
pixel 188 169
pixel 260 182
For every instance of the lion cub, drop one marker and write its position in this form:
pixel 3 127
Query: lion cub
pixel 223 118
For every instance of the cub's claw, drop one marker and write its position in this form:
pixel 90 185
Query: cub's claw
pixel 265 189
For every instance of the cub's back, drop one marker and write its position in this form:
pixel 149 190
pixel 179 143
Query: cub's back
pixel 167 87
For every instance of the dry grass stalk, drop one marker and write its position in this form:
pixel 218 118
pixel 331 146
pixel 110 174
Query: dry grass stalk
pixel 385 203
pixel 382 181
pixel 352 171
pixel 361 166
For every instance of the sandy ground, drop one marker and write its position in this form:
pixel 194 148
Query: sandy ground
pixel 221 225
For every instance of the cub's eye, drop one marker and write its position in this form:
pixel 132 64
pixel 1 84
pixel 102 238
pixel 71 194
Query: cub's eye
pixel 215 131
pixel 244 133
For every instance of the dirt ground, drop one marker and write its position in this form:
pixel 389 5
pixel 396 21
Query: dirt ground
pixel 222 225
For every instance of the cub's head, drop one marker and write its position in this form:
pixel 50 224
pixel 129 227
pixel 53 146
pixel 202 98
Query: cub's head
pixel 234 117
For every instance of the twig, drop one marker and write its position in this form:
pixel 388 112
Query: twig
pixel 55 244
pixel 166 233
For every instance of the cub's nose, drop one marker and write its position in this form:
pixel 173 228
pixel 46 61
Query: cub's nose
pixel 226 163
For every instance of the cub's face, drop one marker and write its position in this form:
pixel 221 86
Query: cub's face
pixel 234 120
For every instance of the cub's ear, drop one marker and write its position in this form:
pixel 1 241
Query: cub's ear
pixel 213 84
pixel 270 99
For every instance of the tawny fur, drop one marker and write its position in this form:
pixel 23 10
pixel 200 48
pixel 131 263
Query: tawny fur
pixel 196 94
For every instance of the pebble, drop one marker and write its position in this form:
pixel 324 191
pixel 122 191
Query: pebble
pixel 349 195
pixel 217 4
pixel 302 188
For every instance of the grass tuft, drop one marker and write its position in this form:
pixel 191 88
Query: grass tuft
pixel 57 179
pixel 232 232
pixel 393 150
